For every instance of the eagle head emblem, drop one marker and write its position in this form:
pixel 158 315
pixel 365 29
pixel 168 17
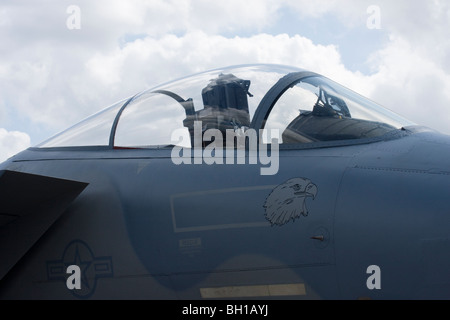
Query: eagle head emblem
pixel 288 201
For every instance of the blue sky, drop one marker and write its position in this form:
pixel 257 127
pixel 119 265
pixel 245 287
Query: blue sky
pixel 52 76
pixel 328 30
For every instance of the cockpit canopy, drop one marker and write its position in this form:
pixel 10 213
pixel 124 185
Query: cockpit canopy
pixel 303 107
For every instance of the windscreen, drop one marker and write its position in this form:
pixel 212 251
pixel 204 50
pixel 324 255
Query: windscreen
pixel 316 109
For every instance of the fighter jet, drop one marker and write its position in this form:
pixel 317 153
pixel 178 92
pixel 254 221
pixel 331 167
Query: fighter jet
pixel 245 182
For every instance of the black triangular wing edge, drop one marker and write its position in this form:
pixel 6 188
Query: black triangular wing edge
pixel 29 205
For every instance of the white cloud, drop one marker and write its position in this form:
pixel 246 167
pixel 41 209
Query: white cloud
pixel 12 142
pixel 412 84
pixel 58 88
pixel 54 76
pixel 150 61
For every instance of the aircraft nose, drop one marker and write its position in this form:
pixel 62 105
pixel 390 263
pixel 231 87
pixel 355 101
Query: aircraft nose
pixel 424 151
pixel 431 152
pixel 395 204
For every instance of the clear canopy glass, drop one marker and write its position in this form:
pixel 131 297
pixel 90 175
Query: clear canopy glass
pixel 317 109
pixel 310 110
pixel 93 131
